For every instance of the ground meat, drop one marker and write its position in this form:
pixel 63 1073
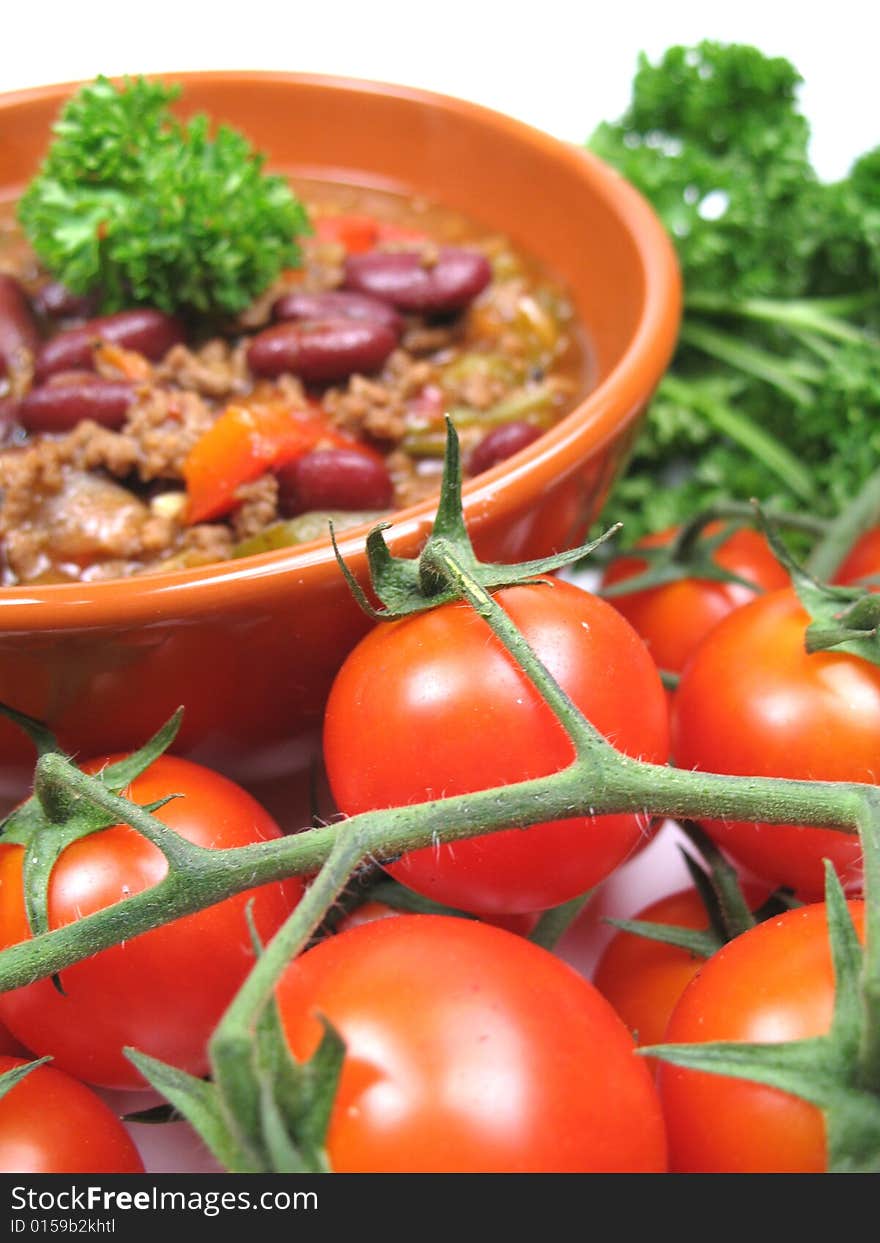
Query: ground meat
pixel 205 543
pixel 258 507
pixel 215 370
pixel 92 447
pixel 165 424
pixel 79 519
pixel 378 408
pixel 98 501
pixel 409 375
pixel 428 340
pixel 481 391
pixel 410 484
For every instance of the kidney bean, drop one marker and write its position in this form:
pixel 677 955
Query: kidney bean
pixel 145 330
pixel 19 335
pixel 56 301
pixel 502 442
pixel 407 280
pixel 59 407
pixel 321 349
pixel 334 479
pixel 336 304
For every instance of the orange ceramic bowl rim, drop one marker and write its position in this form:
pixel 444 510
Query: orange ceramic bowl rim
pixel 593 423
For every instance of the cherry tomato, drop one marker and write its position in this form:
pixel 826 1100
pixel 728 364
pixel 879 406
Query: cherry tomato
pixel 673 618
pixel 9 1045
pixel 521 925
pixel 643 979
pixel 433 705
pixel 164 991
pixel 51 1124
pixel 754 703
pixel 470 1050
pixel 773 983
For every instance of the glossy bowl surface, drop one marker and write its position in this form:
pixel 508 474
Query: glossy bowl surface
pixel 250 647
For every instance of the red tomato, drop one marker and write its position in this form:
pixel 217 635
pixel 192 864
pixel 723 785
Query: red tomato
pixel 50 1124
pixel 643 979
pixel 164 991
pixel 433 705
pixel 673 618
pixel 863 560
pixel 521 925
pixel 773 983
pixel 470 1050
pixel 752 702
pixel 9 1045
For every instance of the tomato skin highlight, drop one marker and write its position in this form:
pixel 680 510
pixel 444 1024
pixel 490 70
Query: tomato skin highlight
pixel 432 705
pixel 470 1050
pixel 164 991
pixel 752 702
pixel 51 1124
pixel 776 983
pixel 673 618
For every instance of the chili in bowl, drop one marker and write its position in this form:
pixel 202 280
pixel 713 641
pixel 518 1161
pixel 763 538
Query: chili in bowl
pixel 546 368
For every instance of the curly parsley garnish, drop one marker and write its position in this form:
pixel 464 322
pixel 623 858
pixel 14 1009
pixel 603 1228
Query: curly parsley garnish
pixel 144 209
pixel 775 389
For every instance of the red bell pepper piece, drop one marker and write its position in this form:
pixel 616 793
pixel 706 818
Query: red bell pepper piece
pixel 358 234
pixel 249 438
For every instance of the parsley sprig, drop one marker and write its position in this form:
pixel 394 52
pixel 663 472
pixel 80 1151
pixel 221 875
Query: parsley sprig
pixel 141 208
pixel 775 389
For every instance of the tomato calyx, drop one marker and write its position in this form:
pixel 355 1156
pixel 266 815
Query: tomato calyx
pixel 836 1072
pixel 727 909
pixel 264 1111
pixel 276 1121
pixel 405 586
pixel 10 1079
pixel 53 817
pixel 842 619
pixel 690 553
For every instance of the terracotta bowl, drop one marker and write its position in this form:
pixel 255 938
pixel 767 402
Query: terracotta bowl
pixel 250 647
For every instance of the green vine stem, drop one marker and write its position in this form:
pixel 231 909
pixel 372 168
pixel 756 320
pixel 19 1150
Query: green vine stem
pixel 599 780
pixel 232 1045
pixel 869 1050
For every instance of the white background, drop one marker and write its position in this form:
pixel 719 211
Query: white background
pixel 558 64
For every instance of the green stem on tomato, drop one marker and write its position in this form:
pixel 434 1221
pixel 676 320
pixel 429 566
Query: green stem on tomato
pixel 441 557
pixel 784 518
pixel 552 925
pixel 869 1050
pixel 600 780
pixel 347 852
pixel 231 1045
pixel 733 909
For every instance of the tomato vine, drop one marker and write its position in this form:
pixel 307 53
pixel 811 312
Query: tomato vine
pixel 242 1107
